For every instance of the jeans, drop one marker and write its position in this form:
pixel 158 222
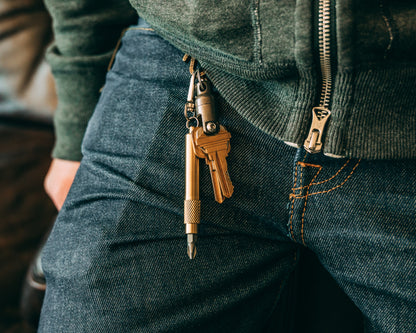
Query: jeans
pixel 116 259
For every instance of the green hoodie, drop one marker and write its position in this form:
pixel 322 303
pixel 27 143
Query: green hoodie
pixel 263 57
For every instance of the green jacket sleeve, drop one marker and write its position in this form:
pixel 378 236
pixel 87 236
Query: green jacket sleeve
pixel 86 32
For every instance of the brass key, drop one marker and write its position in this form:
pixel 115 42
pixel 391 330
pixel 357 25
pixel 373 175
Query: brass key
pixel 214 149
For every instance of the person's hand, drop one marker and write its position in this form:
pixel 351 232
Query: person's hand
pixel 59 179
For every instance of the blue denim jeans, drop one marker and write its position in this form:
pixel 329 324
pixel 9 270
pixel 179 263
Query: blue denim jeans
pixel 116 259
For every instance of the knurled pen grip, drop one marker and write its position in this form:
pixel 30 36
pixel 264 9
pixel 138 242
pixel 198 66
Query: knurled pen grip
pixel 192 204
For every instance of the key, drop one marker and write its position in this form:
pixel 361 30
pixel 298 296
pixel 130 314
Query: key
pixel 192 204
pixel 214 149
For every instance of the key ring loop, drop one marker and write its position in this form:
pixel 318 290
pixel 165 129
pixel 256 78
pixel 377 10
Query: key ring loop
pixel 189 120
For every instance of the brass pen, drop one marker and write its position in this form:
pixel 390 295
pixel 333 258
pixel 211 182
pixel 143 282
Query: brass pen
pixel 192 204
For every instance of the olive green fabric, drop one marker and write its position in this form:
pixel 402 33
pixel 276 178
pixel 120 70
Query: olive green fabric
pixel 86 32
pixel 261 56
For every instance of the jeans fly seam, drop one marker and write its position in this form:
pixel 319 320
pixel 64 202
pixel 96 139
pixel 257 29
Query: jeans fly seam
pixel 301 174
pixel 335 187
pixel 293 195
pixel 326 180
pixel 301 179
pixel 302 229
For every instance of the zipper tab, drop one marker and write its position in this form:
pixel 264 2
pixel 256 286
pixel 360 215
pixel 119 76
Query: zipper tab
pixel 321 113
pixel 313 143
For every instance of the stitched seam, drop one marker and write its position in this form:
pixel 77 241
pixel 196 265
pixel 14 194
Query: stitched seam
pixel 390 25
pixel 293 197
pixel 326 180
pixel 309 165
pixel 257 31
pixel 116 48
pixel 301 178
pixel 334 188
pixel 302 234
pixel 123 32
pixel 301 172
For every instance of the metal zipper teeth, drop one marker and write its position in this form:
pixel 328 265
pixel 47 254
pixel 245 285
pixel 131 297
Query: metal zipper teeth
pixel 321 113
pixel 325 51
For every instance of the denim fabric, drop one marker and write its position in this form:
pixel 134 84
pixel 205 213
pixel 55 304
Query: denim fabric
pixel 116 259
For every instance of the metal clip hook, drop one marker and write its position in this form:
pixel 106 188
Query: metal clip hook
pixel 189 111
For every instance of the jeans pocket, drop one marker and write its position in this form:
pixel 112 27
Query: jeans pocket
pixel 147 82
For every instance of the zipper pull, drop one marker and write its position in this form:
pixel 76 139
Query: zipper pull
pixel 313 143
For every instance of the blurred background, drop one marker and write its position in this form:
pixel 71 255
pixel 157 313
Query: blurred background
pixel 27 101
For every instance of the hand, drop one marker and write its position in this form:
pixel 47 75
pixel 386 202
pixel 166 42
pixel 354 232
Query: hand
pixel 59 179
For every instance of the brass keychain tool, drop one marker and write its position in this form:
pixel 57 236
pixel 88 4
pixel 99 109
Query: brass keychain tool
pixel 206 139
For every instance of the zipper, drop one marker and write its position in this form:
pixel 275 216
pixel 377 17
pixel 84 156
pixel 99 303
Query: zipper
pixel 321 113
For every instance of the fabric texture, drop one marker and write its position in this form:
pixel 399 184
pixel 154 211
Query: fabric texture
pixel 262 58
pixel 85 35
pixel 27 101
pixel 116 259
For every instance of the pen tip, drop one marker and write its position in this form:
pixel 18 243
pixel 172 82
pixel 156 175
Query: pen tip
pixel 191 246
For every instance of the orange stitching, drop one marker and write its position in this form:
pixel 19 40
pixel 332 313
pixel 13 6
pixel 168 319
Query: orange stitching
pixel 304 207
pixel 113 55
pixel 334 188
pixel 326 180
pixel 310 165
pixel 301 171
pixel 301 177
pixel 293 196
